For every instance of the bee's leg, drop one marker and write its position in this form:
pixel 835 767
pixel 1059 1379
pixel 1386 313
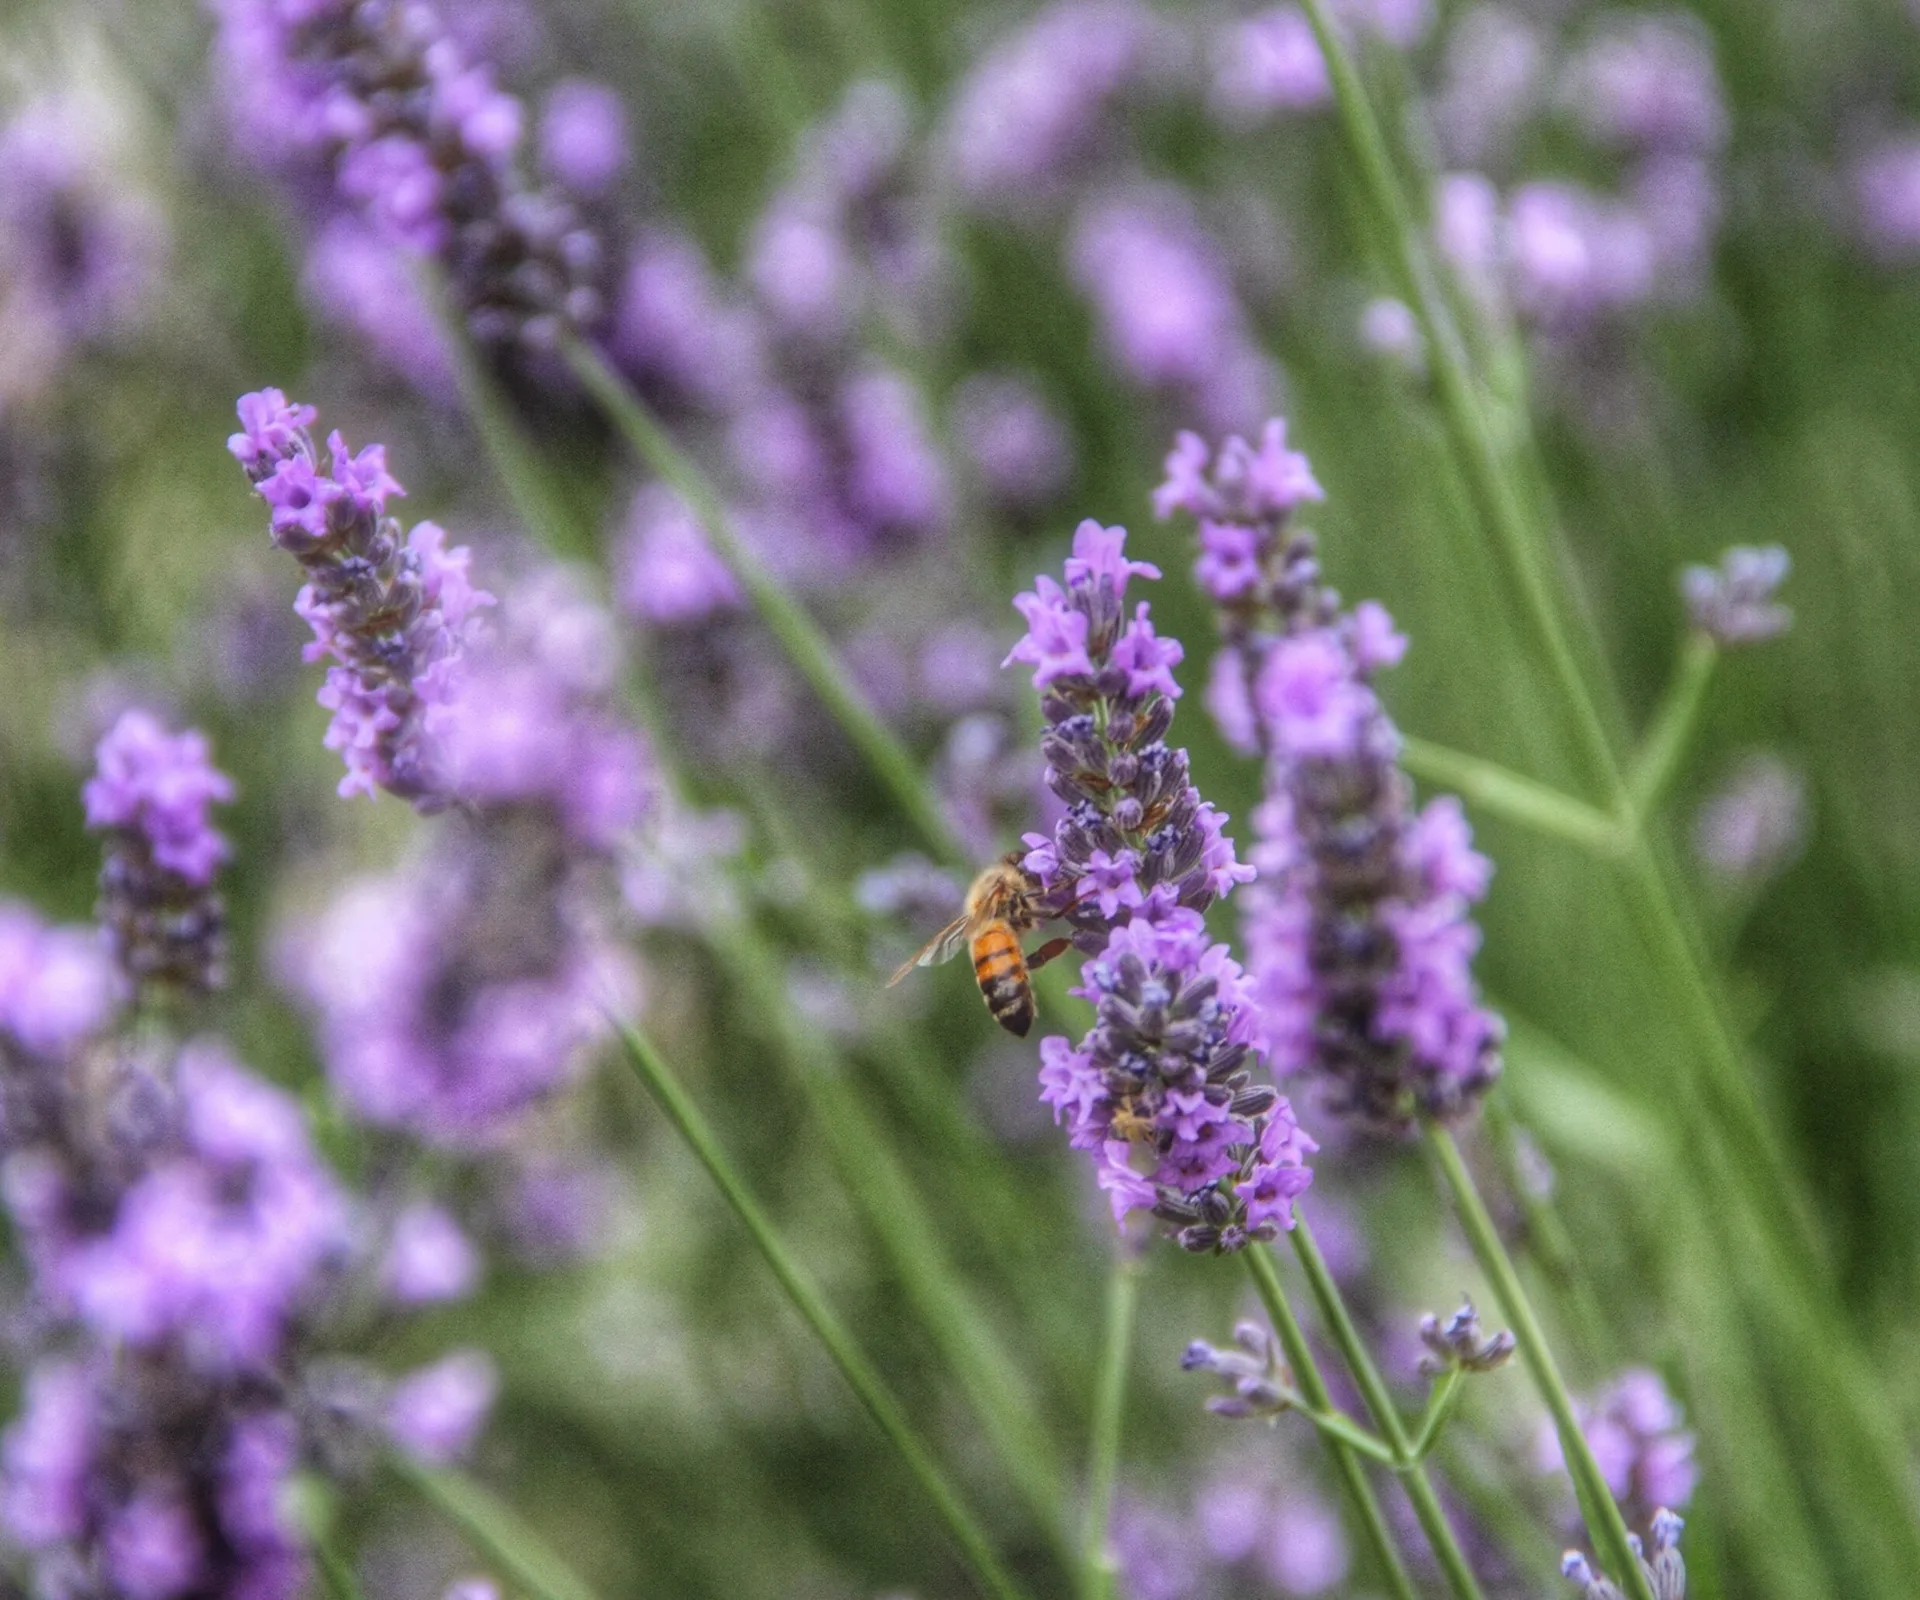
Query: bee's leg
pixel 1046 952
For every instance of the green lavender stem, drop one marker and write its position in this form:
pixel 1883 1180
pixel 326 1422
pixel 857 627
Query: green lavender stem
pixel 888 1200
pixel 1605 1526
pixel 1440 1407
pixel 496 1530
pixel 1509 794
pixel 1386 1416
pixel 796 632
pixel 893 1208
pixel 1463 414
pixel 1098 1567
pixel 1368 1515
pixel 842 1349
pixel 1672 727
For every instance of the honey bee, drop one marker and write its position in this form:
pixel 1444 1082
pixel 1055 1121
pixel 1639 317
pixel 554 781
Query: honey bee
pixel 1002 904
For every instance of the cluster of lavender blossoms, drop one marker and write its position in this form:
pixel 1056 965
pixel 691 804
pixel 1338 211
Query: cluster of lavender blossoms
pixel 151 795
pixel 1159 1092
pixel 378 95
pixel 394 610
pixel 454 994
pixel 187 1249
pixel 1359 943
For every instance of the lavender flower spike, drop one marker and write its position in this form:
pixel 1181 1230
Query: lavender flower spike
pixel 394 610
pixel 150 792
pixel 423 144
pixel 1359 945
pixel 1158 1092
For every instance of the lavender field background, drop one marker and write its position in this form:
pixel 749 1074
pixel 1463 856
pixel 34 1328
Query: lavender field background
pixel 542 545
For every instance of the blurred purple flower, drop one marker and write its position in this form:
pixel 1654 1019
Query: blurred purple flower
pixel 1267 63
pixel 1885 181
pixel 1015 442
pixel 1645 81
pixel 1163 294
pixel 669 573
pixel 1640 1442
pixel 360 279
pixel 221 1245
pixel 1754 823
pixel 310 85
pixel 151 792
pixel 584 138
pixel 1493 81
pixel 57 985
pixel 81 248
pixel 1033 105
pixel 435 1414
pixel 1733 603
pixel 676 327
pixel 428 1259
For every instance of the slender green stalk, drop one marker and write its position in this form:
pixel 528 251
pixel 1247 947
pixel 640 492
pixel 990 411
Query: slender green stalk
pixel 889 1201
pixel 1605 1526
pixel 1386 1416
pixel 1440 1406
pixel 496 1530
pixel 893 1208
pixel 797 633
pixel 1658 758
pixel 1369 1517
pixel 840 1345
pixel 1462 412
pixel 1098 1567
pixel 1552 1248
pixel 336 1575
pixel 1517 798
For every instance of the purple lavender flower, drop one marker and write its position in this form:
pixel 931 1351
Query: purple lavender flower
pixel 1646 82
pixel 1640 1441
pixel 151 793
pixel 457 993
pixel 360 279
pixel 420 141
pixel 1494 78
pixel 1035 104
pixel 80 248
pixel 161 1481
pixel 669 573
pixel 1358 940
pixel 1016 444
pixel 395 612
pixel 1163 293
pixel 58 986
pixel 1268 63
pixel 218 1246
pixel 437 1412
pixel 1885 184
pixel 677 330
pixel 1666 1573
pixel 1753 825
pixel 1158 1092
pixel 584 140
pixel 428 1259
pixel 1734 603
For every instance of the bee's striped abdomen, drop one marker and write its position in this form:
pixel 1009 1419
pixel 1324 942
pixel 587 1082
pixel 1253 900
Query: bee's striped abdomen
pixel 1001 971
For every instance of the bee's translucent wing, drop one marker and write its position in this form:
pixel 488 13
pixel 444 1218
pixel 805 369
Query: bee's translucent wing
pixel 943 946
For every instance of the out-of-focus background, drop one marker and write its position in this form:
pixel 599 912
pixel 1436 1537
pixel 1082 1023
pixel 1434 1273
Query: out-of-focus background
pixel 920 285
